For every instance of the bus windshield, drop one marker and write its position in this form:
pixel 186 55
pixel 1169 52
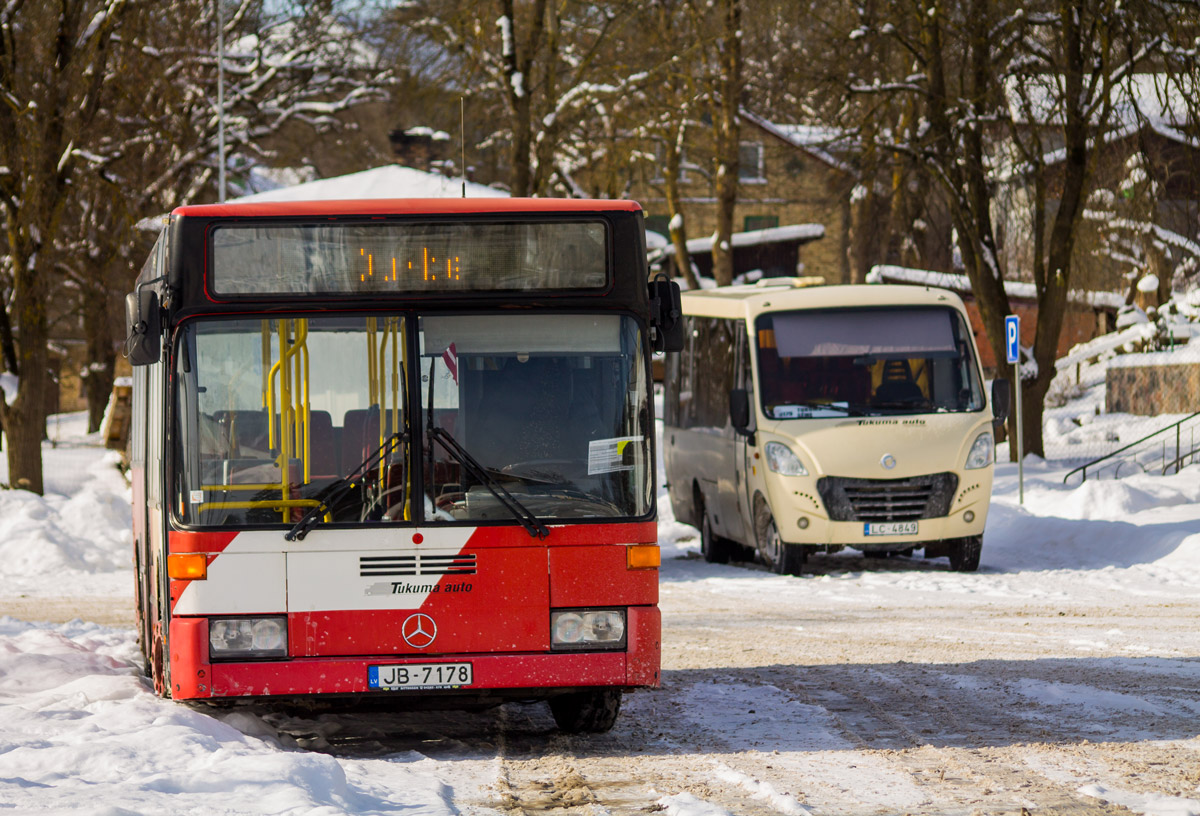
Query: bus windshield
pixel 275 415
pixel 838 362
pixel 553 408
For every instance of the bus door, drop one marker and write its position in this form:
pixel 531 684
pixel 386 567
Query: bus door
pixel 749 467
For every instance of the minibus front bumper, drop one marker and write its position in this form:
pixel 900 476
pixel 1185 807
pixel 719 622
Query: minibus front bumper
pixel 802 518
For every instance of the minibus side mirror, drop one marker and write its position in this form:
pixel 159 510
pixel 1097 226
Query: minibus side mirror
pixel 144 340
pixel 1001 399
pixel 739 411
pixel 666 314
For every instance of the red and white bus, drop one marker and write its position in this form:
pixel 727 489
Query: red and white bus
pixel 399 450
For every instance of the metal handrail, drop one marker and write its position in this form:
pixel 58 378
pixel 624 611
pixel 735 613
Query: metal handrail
pixel 1178 461
pixel 1083 468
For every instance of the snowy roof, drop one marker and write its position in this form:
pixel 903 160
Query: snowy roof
pixel 1142 98
pixel 812 139
pixel 961 283
pixel 771 235
pixel 282 44
pixel 389 181
pixel 655 240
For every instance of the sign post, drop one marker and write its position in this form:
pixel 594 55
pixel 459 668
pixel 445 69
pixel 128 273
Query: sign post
pixel 1012 345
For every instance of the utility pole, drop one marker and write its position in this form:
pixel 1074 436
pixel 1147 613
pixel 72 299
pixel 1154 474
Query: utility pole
pixel 220 103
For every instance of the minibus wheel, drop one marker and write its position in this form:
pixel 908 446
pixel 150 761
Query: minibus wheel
pixel 714 548
pixel 782 557
pixel 590 712
pixel 964 554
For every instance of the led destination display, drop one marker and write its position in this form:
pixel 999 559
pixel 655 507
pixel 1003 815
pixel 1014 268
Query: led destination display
pixel 391 257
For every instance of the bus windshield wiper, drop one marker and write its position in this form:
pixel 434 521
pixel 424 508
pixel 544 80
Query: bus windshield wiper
pixel 532 524
pixel 335 490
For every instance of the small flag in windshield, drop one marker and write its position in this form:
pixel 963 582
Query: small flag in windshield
pixel 450 358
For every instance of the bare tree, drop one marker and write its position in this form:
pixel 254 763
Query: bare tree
pixel 546 69
pixel 725 98
pixel 55 60
pixel 158 142
pixel 1000 93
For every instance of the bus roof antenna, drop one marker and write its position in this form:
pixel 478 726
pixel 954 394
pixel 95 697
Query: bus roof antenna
pixel 462 140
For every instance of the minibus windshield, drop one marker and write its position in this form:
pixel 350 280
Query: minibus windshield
pixel 838 362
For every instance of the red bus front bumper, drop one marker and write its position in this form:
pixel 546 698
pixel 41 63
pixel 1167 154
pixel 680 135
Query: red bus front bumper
pixel 194 676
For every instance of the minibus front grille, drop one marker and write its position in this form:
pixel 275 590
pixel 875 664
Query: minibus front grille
pixel 919 497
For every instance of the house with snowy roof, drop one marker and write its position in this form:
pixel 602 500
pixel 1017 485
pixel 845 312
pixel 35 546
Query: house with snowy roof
pixel 790 176
pixel 1145 204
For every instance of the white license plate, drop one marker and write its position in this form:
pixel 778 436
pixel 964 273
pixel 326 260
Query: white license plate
pixel 890 528
pixel 420 676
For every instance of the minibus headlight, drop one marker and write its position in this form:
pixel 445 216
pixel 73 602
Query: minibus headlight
pixel 247 638
pixel 781 460
pixel 981 452
pixel 587 629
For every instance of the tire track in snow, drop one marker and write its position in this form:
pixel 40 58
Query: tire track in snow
pixel 899 710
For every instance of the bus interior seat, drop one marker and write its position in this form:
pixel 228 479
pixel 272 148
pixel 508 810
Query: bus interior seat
pixel 322 448
pixel 248 434
pixel 360 435
pixel 897 383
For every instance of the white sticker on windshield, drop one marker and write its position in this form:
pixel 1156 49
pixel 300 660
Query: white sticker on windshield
pixel 610 455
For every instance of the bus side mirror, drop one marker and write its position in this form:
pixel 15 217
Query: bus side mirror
pixel 666 314
pixel 739 410
pixel 143 343
pixel 1001 398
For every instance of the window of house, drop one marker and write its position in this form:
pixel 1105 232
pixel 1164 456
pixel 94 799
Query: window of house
pixel 660 165
pixel 758 222
pixel 750 162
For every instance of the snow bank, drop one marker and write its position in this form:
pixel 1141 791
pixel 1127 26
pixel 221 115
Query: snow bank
pixel 76 539
pixel 80 731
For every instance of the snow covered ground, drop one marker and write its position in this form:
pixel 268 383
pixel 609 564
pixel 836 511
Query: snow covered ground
pixel 81 731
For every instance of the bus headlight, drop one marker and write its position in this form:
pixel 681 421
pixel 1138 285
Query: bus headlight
pixel 981 452
pixel 587 629
pixel 247 638
pixel 781 460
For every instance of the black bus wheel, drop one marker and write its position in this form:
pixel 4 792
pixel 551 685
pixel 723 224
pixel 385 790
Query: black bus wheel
pixel 964 554
pixel 586 712
pixel 783 558
pixel 714 548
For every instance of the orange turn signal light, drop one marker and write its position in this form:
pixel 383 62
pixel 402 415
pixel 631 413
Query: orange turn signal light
pixel 643 556
pixel 187 566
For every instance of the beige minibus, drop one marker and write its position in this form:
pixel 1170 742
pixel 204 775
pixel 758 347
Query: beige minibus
pixel 800 419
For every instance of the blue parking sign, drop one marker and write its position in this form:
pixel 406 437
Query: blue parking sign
pixel 1012 337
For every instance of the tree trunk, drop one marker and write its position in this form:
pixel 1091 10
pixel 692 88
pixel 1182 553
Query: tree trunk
pixel 728 132
pixel 518 62
pixel 100 366
pixel 25 417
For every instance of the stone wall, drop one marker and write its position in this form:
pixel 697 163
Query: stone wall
pixel 1151 390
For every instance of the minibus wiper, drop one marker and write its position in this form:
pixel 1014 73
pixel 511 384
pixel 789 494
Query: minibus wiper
pixel 520 512
pixel 333 492
pixel 821 406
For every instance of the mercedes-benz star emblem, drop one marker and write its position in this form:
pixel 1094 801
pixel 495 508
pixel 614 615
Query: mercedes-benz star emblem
pixel 888 461
pixel 418 630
